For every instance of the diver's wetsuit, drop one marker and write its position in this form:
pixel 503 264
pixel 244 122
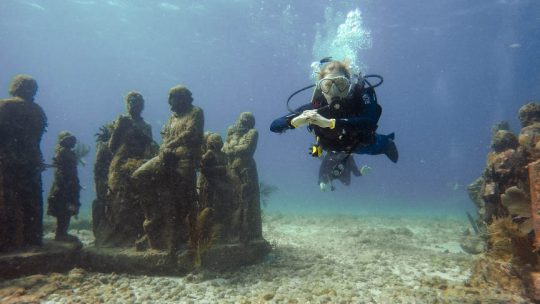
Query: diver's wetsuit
pixel 356 122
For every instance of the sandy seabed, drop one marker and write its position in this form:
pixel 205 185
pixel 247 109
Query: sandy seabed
pixel 316 259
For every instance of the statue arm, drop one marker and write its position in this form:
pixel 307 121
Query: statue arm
pixel 248 144
pixel 117 134
pixel 148 131
pixel 193 126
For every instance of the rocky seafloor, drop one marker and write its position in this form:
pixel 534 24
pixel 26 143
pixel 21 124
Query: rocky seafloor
pixel 316 259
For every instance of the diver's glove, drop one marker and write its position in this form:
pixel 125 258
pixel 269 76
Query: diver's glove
pixel 319 120
pixel 303 118
pixel 325 186
pixel 365 170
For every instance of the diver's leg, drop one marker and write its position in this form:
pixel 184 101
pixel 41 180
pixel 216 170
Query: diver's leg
pixel 325 168
pixel 382 144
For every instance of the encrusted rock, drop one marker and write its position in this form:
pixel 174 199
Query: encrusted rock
pixel 529 114
pixel 503 140
pixel 529 139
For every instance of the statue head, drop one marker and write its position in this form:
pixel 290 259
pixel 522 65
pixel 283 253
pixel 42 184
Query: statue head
pixel 246 120
pixel 23 86
pixel 66 140
pixel 134 104
pixel 213 141
pixel 180 98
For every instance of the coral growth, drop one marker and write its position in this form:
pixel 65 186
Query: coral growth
pixel 518 205
pixel 507 242
pixel 202 233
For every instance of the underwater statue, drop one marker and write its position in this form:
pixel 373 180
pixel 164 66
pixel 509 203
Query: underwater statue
pixel 63 201
pixel 22 124
pixel 101 205
pixel 170 179
pixel 215 185
pixel 240 146
pixel 131 145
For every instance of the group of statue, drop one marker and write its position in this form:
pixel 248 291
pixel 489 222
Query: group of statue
pixel 147 194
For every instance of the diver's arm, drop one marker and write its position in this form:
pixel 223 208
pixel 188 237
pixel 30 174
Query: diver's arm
pixel 283 123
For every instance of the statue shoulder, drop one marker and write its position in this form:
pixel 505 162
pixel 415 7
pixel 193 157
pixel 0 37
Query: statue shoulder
pixel 252 133
pixel 9 104
pixel 197 112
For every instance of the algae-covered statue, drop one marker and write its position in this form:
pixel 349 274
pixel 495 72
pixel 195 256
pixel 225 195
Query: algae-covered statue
pixel 215 185
pixel 171 176
pixel 240 146
pixel 22 124
pixel 131 145
pixel 101 205
pixel 63 201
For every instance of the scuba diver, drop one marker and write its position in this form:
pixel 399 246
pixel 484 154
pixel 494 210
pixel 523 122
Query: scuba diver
pixel 343 115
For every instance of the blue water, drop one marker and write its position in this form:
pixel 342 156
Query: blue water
pixel 452 68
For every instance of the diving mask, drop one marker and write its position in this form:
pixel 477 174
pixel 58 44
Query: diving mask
pixel 333 87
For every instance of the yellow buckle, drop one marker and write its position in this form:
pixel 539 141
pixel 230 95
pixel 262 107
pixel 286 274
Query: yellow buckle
pixel 316 151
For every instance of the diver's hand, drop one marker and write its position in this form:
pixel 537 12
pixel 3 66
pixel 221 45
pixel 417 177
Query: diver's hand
pixel 303 118
pixel 319 120
pixel 365 170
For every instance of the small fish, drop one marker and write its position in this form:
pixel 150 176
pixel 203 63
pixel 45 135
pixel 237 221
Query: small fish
pixel 514 45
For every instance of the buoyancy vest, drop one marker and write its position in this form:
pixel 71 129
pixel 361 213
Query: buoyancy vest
pixel 345 137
